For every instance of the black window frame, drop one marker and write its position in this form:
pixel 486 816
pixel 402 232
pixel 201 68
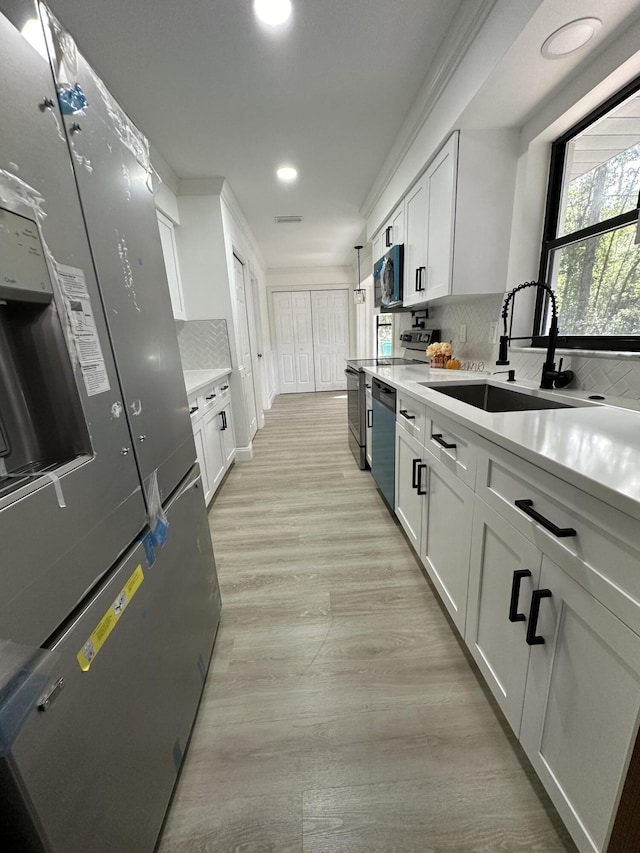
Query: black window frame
pixel 621 343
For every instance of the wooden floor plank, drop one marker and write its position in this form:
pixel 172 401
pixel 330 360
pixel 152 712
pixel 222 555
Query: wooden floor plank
pixel 341 711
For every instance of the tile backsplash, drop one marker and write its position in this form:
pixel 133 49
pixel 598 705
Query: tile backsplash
pixel 602 374
pixel 203 344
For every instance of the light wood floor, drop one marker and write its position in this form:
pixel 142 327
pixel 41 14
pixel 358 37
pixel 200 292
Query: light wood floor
pixel 341 712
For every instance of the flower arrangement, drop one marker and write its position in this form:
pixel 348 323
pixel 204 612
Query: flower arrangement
pixel 439 348
pixel 439 353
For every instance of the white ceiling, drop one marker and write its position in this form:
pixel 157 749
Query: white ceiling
pixel 217 95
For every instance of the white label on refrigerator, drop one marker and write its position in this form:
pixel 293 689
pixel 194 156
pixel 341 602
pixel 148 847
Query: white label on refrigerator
pixel 83 329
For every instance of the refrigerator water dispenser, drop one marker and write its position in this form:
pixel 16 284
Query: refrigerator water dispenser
pixel 42 425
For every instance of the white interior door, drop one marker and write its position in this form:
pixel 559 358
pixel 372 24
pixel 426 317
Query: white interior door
pixel 286 342
pixel 329 311
pixel 246 366
pixel 303 333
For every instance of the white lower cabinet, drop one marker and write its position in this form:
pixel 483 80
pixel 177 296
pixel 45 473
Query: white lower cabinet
pixel 564 670
pixel 435 510
pixel 213 434
pixel 198 437
pixel 504 571
pixel 410 477
pixel 227 436
pixel 446 537
pixel 212 424
pixel 581 705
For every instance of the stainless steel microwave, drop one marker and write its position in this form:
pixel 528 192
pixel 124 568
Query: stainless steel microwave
pixel 387 278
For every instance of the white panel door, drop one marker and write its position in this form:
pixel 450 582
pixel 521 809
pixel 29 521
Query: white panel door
pixel 329 310
pixel 285 336
pixel 246 366
pixel 303 334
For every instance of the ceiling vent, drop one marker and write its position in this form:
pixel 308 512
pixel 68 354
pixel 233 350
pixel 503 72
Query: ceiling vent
pixel 286 220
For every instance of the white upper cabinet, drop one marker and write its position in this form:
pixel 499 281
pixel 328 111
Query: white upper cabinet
pixel 391 234
pixel 456 219
pixel 169 251
pixel 440 188
pixel 415 246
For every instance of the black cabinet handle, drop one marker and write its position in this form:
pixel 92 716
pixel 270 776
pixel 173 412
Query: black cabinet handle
pixel 417 288
pixel 369 418
pixel 224 387
pixel 387 236
pixel 414 475
pixel 224 422
pixel 514 616
pixel 409 417
pixel 536 598
pixel 437 436
pixel 527 507
pixel 210 397
pixel 422 467
pixel 193 409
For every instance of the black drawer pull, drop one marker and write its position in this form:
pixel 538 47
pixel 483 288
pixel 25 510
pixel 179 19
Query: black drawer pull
pixel 422 467
pixel 527 507
pixel 437 436
pixel 224 387
pixel 409 417
pixel 193 409
pixel 532 638
pixel 210 397
pixel 414 475
pixel 369 418
pixel 514 616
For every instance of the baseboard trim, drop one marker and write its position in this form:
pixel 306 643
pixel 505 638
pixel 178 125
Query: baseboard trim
pixel 244 454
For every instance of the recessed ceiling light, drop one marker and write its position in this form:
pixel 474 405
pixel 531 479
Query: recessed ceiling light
pixel 287 174
pixel 570 37
pixel 272 12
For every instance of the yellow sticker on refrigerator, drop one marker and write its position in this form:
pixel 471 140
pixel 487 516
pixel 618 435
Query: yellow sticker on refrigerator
pixel 109 621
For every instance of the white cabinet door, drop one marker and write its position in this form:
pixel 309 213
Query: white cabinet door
pixel 213 449
pixel 446 538
pixel 228 436
pixel 500 559
pixel 411 475
pixel 441 189
pixel 415 244
pixel 369 431
pixel 198 437
pixel 581 705
pixel 397 223
pixel 377 248
pixel 329 311
pixel 170 254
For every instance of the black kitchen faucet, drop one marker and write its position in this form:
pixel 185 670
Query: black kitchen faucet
pixel 550 376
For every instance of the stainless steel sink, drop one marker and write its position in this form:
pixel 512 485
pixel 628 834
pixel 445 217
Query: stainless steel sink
pixel 493 398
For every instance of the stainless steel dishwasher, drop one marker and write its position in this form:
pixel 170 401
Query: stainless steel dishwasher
pixel 384 440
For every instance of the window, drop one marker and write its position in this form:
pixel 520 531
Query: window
pixel 590 253
pixel 384 335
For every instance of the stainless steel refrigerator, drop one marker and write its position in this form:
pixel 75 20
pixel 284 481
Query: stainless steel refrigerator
pixel 109 600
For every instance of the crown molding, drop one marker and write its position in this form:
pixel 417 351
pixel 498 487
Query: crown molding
pixel 449 56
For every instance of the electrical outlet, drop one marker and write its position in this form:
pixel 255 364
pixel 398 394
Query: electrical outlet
pixel 462 336
pixel 493 333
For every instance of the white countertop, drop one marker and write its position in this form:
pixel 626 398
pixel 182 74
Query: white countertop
pixel 595 446
pixel 195 380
